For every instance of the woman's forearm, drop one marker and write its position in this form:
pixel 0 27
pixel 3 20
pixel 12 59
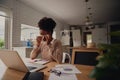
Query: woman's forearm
pixel 34 53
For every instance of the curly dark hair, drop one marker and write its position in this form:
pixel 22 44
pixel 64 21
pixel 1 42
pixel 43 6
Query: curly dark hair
pixel 47 24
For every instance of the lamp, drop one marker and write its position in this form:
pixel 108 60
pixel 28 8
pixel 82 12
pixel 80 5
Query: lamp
pixel 88 21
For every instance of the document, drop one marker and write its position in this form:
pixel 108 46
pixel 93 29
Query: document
pixel 42 61
pixel 67 68
pixel 38 61
pixel 64 72
pixel 62 77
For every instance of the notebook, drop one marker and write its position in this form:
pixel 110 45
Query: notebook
pixel 12 60
pixel 39 61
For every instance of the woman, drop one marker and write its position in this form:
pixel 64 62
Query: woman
pixel 49 48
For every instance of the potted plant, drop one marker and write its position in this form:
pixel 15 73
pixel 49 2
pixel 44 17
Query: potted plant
pixel 1 43
pixel 108 67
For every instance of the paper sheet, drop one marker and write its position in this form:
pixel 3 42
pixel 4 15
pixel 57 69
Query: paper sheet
pixel 67 68
pixel 62 77
pixel 42 62
pixel 38 61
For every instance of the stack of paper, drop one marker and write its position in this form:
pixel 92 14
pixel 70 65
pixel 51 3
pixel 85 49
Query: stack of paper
pixel 62 77
pixel 68 72
pixel 67 68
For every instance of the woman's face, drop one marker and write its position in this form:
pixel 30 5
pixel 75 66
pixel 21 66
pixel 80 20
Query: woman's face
pixel 45 35
pixel 43 32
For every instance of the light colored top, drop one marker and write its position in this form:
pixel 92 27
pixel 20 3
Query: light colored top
pixel 51 52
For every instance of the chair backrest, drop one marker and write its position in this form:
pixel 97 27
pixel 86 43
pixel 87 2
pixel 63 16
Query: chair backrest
pixel 65 56
pixel 85 57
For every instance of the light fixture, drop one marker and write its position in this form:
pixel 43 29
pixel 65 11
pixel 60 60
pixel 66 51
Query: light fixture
pixel 88 17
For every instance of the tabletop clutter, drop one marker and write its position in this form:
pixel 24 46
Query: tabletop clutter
pixel 64 72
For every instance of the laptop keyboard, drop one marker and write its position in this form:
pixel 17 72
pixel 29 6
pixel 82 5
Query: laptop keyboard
pixel 31 67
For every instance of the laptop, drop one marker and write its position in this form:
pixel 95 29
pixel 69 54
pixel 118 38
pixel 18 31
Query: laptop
pixel 12 60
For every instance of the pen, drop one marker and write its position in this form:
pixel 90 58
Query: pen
pixel 37 60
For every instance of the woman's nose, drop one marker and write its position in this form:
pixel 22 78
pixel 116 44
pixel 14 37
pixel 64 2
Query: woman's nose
pixel 44 39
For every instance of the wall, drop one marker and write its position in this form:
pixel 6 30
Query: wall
pixel 113 24
pixel 8 22
pixel 23 14
pixel 99 33
pixel 76 38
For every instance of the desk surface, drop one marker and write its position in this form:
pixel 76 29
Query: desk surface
pixel 8 74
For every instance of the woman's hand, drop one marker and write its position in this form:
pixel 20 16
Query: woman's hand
pixel 47 38
pixel 38 40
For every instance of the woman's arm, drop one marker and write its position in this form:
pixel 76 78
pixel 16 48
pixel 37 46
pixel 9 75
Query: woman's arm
pixel 34 53
pixel 57 52
pixel 36 49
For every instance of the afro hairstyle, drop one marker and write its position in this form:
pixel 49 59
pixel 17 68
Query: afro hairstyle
pixel 47 24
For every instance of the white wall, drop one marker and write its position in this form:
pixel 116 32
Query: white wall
pixel 99 35
pixel 23 14
pixel 76 38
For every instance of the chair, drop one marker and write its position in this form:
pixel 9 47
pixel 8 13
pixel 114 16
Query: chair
pixel 65 56
pixel 85 57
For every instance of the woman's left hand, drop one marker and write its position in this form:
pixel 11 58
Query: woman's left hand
pixel 48 38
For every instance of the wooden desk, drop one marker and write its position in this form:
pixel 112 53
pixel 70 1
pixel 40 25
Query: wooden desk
pixel 8 74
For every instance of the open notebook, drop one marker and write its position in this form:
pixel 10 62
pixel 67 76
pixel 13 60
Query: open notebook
pixel 12 60
pixel 38 61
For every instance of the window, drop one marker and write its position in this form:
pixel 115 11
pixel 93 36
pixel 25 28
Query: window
pixel 113 28
pixel 6 27
pixel 28 32
pixel 87 37
pixel 2 32
pixel 54 34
